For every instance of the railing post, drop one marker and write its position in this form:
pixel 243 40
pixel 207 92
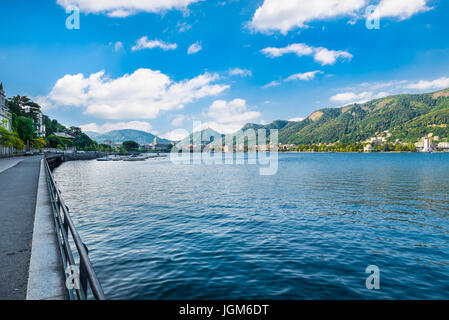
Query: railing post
pixel 83 274
pixel 65 228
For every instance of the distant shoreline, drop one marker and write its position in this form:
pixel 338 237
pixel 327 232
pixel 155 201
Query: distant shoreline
pixel 374 152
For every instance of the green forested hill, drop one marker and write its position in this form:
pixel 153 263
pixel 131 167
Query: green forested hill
pixel 119 136
pixel 408 118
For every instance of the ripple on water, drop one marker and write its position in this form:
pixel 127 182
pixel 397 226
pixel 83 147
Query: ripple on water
pixel 156 230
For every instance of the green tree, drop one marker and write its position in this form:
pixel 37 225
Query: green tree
pixel 6 137
pixel 53 141
pixel 75 131
pixel 16 105
pixel 411 147
pixel 83 142
pixel 25 128
pixel 38 143
pixel 10 139
pixel 52 126
pixel 130 145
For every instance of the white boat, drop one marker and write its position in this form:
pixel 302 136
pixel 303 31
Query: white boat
pixel 136 158
pixel 108 158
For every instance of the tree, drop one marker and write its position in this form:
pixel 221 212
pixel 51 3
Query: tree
pixel 75 131
pixel 54 141
pixel 130 145
pixel 38 143
pixel 6 137
pixel 122 150
pixel 17 103
pixel 411 147
pixel 25 128
pixel 83 142
pixel 10 139
pixel 52 126
pixel 18 143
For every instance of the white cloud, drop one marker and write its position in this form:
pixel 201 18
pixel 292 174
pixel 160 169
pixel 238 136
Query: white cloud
pixel 240 72
pixel 176 122
pixel 143 94
pixel 144 43
pixel 176 135
pixel 329 57
pixel 285 15
pixel 195 48
pixel 366 91
pixel 306 76
pixel 183 27
pixel 399 86
pixel 106 127
pixel 228 117
pixel 118 46
pixel 320 54
pixel 440 83
pixel 273 83
pixel 361 97
pixel 385 84
pixel 125 8
pixel 296 119
pixel 400 8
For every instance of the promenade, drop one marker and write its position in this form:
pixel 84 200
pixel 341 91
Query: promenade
pixel 30 266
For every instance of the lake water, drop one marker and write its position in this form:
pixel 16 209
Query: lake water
pixel 157 230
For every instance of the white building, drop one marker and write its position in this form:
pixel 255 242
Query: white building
pixel 425 145
pixel 368 148
pixel 64 135
pixel 5 117
pixel 39 127
pixel 443 146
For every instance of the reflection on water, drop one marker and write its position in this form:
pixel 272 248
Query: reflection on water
pixel 156 230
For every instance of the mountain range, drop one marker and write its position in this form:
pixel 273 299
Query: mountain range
pixel 407 117
pixel 119 136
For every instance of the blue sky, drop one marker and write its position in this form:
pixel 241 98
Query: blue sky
pixel 255 60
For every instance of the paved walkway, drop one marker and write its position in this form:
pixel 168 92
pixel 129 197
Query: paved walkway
pixel 6 163
pixel 46 279
pixel 18 191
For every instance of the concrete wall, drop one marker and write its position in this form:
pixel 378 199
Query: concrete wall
pixel 54 160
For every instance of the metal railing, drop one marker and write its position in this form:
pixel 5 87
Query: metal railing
pixel 86 277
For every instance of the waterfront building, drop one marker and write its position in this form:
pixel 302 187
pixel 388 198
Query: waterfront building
pixel 425 145
pixel 419 145
pixel 64 135
pixel 39 125
pixel 443 146
pixel 5 116
pixel 368 148
pixel 374 140
pixel 37 116
pixel 161 146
